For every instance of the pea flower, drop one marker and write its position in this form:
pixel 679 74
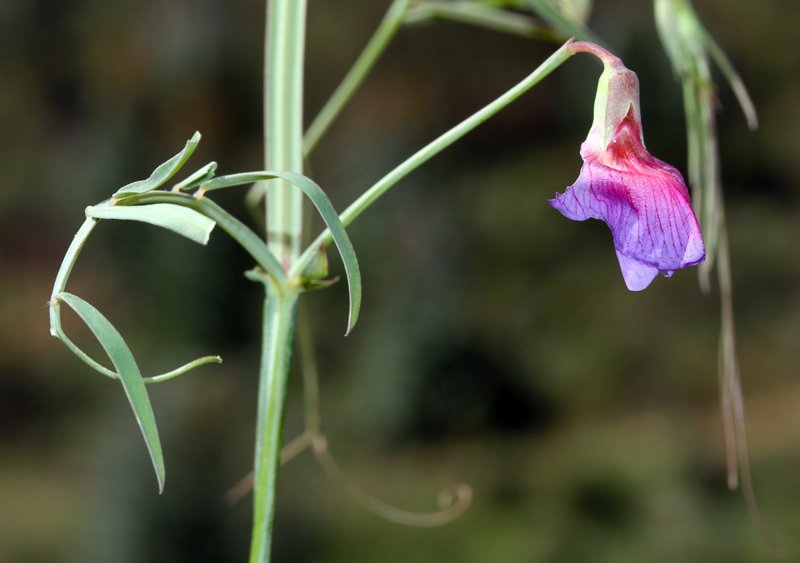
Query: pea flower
pixel 643 200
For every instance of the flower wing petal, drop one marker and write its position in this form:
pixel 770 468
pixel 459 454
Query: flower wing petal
pixel 645 203
pixel 637 275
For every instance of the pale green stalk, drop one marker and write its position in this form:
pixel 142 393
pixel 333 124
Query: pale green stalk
pixel 279 314
pixel 283 123
pixel 283 137
pixel 435 147
pixel 355 76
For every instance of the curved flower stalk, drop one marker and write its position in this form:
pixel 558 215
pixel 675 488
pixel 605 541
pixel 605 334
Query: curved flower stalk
pixel 643 200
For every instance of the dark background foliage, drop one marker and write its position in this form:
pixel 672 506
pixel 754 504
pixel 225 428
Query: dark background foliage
pixel 498 345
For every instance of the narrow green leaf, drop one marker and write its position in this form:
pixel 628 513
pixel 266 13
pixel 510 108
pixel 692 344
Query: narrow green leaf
pixel 163 172
pixel 326 211
pixel 340 238
pixel 196 178
pixel 129 374
pixel 182 220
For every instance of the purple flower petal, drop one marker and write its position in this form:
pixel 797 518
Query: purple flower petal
pixel 637 275
pixel 643 200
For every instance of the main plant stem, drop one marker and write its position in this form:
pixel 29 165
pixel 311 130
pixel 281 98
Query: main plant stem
pixel 283 123
pixel 279 315
pixel 283 150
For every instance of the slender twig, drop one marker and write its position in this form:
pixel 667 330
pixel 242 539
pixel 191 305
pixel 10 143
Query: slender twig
pixel 355 76
pixel 436 146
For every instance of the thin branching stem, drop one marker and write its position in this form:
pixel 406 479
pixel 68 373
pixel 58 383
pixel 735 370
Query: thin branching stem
pixel 436 146
pixel 355 76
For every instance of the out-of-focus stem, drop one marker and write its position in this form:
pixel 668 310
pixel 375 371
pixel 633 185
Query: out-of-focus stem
pixel 355 76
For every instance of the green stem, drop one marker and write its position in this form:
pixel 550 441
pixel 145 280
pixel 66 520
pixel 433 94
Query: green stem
pixel 435 147
pixel 279 315
pixel 64 272
pixel 283 123
pixel 377 44
pixel 57 330
pixel 283 139
pixel 60 285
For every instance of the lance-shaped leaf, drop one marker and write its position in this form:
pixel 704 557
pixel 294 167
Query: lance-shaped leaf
pixel 164 172
pixel 196 178
pixel 129 374
pixel 182 220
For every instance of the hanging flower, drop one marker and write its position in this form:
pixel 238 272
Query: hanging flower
pixel 643 200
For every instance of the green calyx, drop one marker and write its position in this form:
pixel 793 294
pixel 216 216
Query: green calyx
pixel 617 96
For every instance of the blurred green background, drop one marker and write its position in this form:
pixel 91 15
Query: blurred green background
pixel 498 345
